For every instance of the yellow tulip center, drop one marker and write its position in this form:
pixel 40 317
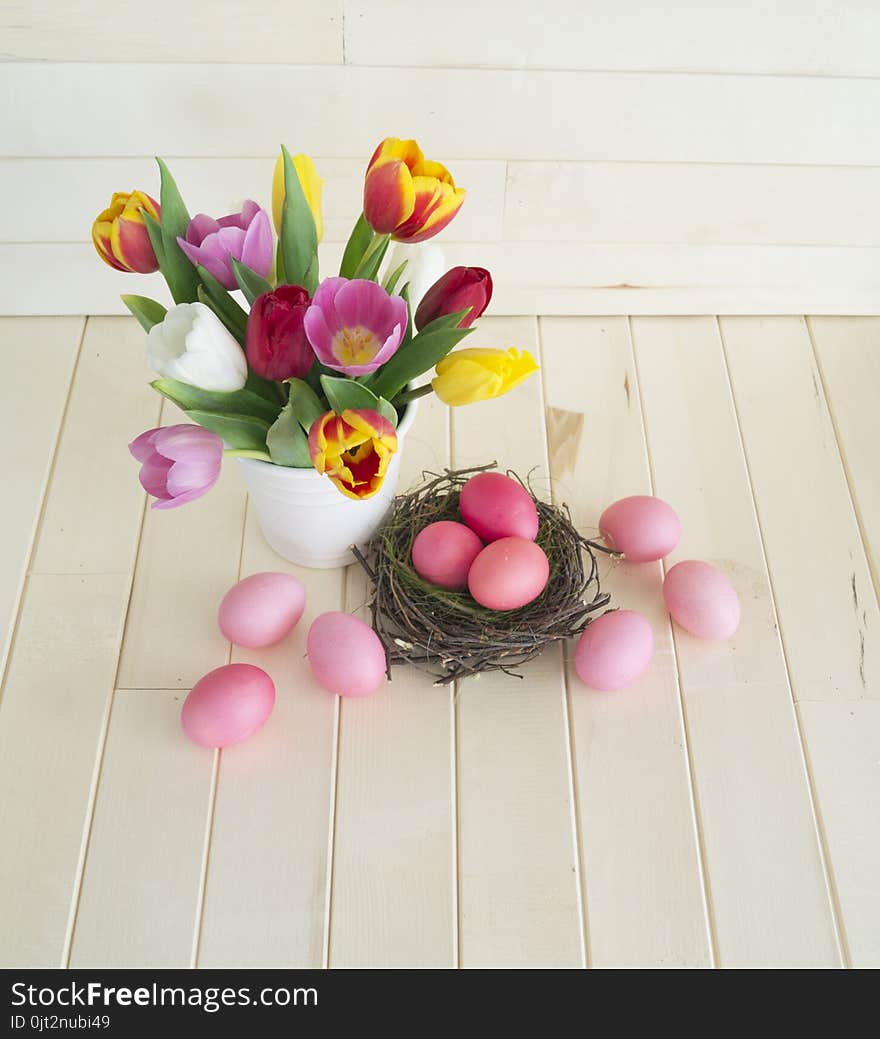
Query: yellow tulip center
pixel 353 346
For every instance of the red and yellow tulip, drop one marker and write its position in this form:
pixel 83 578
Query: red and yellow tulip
pixel 406 195
pixel 353 449
pixel 311 183
pixel 120 235
pixel 468 376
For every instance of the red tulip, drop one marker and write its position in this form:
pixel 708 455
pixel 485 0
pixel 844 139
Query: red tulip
pixel 276 342
pixel 459 288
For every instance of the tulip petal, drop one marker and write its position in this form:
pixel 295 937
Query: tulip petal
pixel 257 248
pixel 186 442
pixel 154 476
pixel 144 445
pixel 389 196
pixel 200 227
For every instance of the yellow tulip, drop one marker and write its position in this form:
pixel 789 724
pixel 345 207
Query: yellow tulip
pixel 311 184
pixel 467 376
pixel 120 235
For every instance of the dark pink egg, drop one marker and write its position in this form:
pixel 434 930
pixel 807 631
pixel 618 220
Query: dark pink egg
pixel 494 506
pixel 443 552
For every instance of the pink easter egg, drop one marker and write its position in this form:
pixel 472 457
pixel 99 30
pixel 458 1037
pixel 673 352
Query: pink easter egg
pixel 614 650
pixel 509 573
pixel 228 705
pixel 443 552
pixel 261 609
pixel 701 599
pixel 643 528
pixel 345 655
pixel 494 506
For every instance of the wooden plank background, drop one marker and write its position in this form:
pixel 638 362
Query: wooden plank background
pixel 711 158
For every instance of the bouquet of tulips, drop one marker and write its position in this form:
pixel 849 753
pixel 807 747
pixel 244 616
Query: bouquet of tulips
pixel 311 373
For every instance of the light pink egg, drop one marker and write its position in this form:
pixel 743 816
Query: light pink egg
pixel 494 506
pixel 345 655
pixel 226 706
pixel 701 598
pixel 643 528
pixel 261 609
pixel 614 650
pixel 509 573
pixel 442 553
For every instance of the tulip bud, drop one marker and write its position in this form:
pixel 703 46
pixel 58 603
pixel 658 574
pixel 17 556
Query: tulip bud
pixel 459 288
pixel 406 195
pixel 191 344
pixel 178 463
pixel 468 376
pixel 276 342
pixel 120 234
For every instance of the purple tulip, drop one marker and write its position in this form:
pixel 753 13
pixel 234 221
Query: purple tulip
pixel 178 463
pixel 355 326
pixel 244 236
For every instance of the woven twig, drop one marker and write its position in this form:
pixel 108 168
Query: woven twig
pixel 449 635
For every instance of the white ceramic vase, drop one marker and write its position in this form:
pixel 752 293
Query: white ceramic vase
pixel 305 519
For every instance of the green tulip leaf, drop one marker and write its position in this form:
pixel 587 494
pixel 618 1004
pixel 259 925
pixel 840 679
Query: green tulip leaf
pixel 387 409
pixel 390 283
pixel 250 283
pixel 287 442
pixel 298 242
pixel 358 242
pixel 176 268
pixel 236 402
pixel 423 353
pixel 154 230
pixel 230 311
pixel 305 404
pixel 372 259
pixel 343 394
pixel 265 388
pixel 147 311
pixel 242 432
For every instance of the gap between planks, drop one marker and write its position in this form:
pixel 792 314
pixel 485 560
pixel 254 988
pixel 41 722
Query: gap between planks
pixel 708 910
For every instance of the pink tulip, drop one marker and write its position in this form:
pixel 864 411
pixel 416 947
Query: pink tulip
pixel 355 326
pixel 244 236
pixel 178 463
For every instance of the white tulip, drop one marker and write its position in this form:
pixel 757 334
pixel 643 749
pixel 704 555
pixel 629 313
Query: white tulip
pixel 193 345
pixel 425 266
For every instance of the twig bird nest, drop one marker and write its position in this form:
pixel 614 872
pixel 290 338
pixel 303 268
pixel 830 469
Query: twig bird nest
pixel 447 633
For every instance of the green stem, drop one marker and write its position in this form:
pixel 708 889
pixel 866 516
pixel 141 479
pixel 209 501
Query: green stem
pixel 409 395
pixel 369 265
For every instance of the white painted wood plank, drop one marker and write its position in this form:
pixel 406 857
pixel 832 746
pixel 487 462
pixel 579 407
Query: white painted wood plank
pixel 52 719
pixel 39 356
pixel 828 613
pixel 692 203
pixel 768 891
pixel 519 880
pixel 188 559
pixel 394 869
pixel 267 879
pixel 848 351
pixel 843 749
pixel 224 31
pixel 218 186
pixel 143 868
pixel 639 846
pixel 820 38
pixel 92 514
pixel 209 110
pixel 570 278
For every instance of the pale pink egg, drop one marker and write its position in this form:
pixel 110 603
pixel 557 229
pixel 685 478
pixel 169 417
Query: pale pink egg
pixel 442 553
pixel 509 573
pixel 614 650
pixel 226 706
pixel 261 609
pixel 701 598
pixel 345 655
pixel 494 506
pixel 641 527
